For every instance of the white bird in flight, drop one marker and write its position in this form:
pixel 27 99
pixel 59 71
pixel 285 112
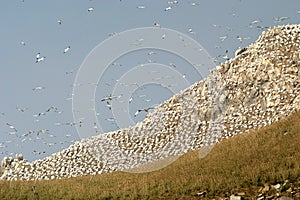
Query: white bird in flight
pixel 157 24
pixel 90 9
pixel 280 19
pixel 110 97
pixel 40 59
pixel 222 38
pixel 38 56
pixel 241 39
pixel 141 7
pixel 143 110
pixel 190 30
pixel 172 2
pixel 168 8
pixel 10 126
pixel 67 49
pixel 38 88
pixel 21 109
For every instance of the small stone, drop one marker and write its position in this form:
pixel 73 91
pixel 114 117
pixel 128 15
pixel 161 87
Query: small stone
pixel 270 197
pixel 277 186
pixel 241 193
pixel 201 193
pixel 290 190
pixel 260 197
pixel 285 198
pixel 233 197
pixel 265 189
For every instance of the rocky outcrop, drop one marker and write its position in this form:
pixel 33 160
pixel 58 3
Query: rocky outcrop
pixel 259 86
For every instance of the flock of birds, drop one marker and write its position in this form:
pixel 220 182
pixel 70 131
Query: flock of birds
pixel 107 99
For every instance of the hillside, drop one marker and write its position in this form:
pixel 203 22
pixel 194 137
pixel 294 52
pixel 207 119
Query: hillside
pixel 250 165
pixel 256 88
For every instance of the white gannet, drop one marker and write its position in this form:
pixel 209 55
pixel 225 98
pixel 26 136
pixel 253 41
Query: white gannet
pixel 241 39
pixel 38 56
pixel 141 7
pixel 190 30
pixel 67 49
pixel 222 38
pixel 38 88
pixel 168 8
pixel 21 109
pixel 151 53
pixel 172 2
pixel 280 19
pixel 157 24
pixel 110 97
pixel 90 9
pixel 143 110
pixel 40 59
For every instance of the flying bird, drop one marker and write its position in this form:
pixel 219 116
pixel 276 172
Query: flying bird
pixel 241 39
pixel 168 8
pixel 141 7
pixel 38 56
pixel 157 24
pixel 151 53
pixel 96 127
pixel 225 56
pixel 11 126
pixel 108 105
pixel 173 2
pixel 191 31
pixel 38 152
pixel 42 131
pixel 280 19
pixel 21 109
pixel 143 110
pixel 254 22
pixel 67 49
pixel 40 59
pixel 110 97
pixel 91 9
pixel 222 38
pixel 194 4
pixel 38 88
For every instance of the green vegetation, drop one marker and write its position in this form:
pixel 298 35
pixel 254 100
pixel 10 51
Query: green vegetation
pixel 243 163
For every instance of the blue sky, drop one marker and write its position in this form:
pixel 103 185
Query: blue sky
pixel 32 27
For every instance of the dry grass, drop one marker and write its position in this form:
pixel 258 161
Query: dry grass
pixel 269 155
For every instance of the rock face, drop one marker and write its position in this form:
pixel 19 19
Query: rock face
pixel 256 88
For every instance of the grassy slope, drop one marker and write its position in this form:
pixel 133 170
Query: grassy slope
pixel 243 163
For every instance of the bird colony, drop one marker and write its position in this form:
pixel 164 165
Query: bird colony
pixel 259 86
